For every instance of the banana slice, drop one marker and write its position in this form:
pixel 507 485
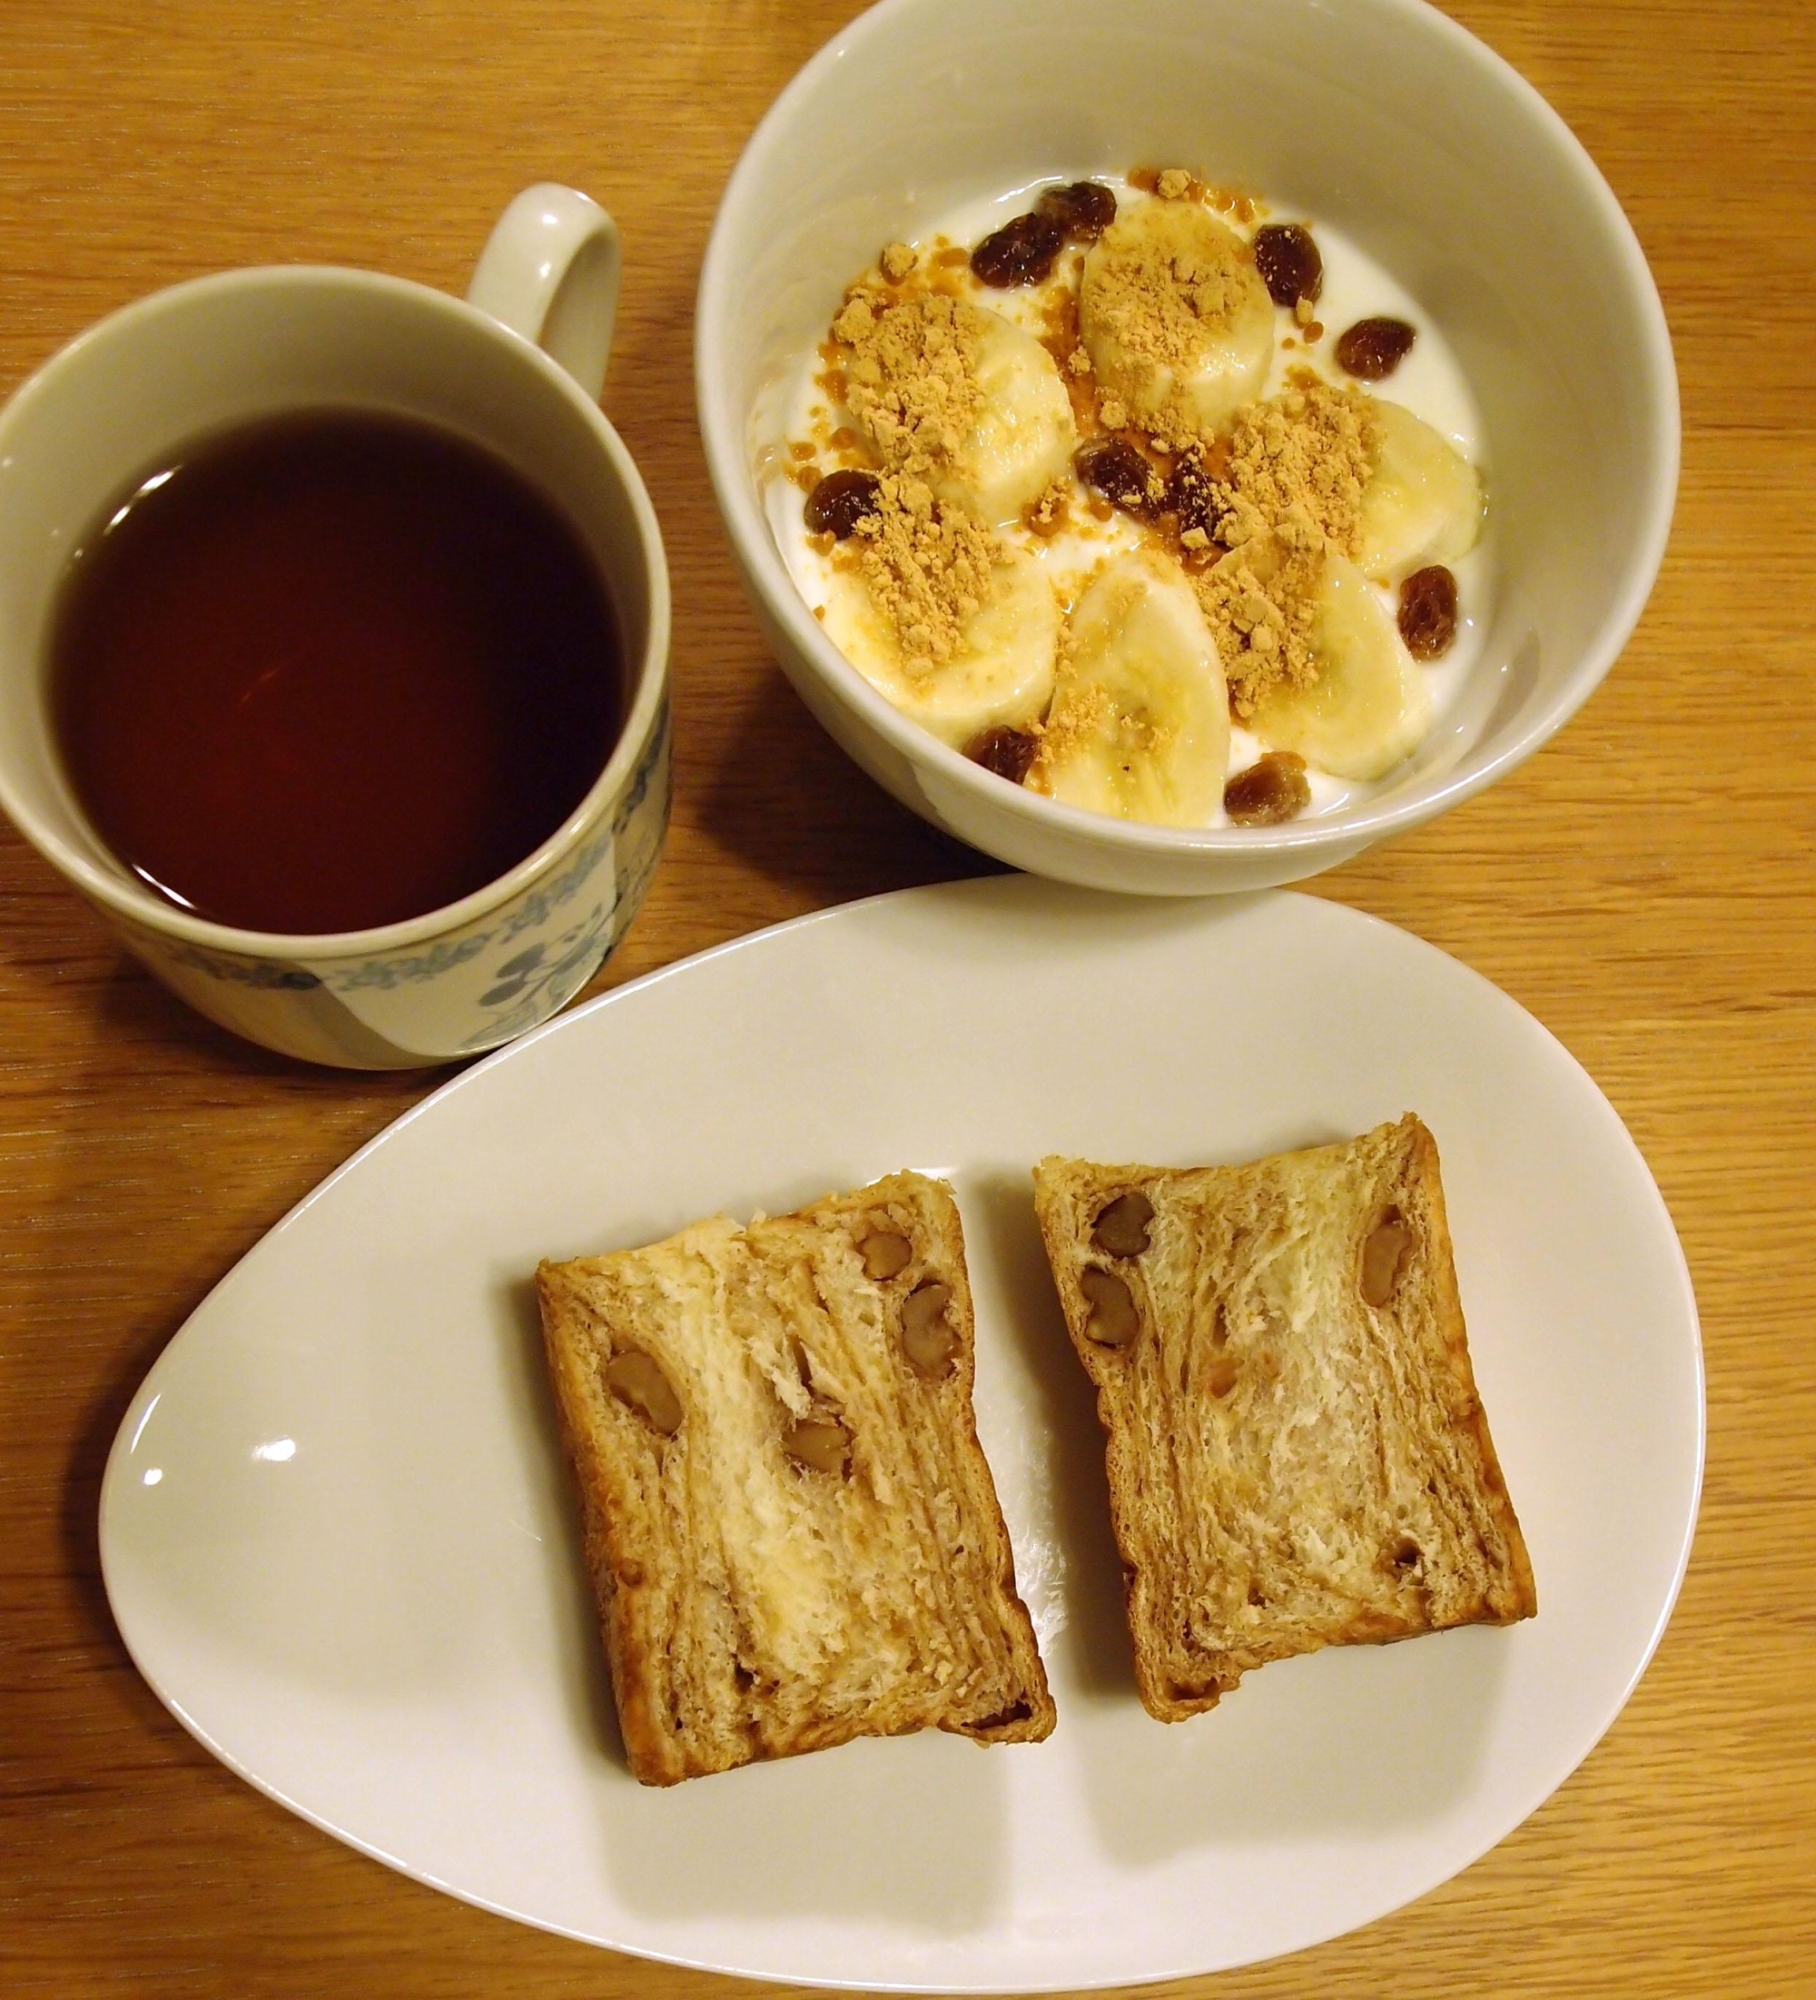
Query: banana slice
pixel 1140 724
pixel 1175 317
pixel 1023 437
pixel 1001 676
pixel 1423 500
pixel 1369 706
pixel 958 396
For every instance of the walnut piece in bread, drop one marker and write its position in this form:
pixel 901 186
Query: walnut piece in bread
pixel 1297 1454
pixel 792 1531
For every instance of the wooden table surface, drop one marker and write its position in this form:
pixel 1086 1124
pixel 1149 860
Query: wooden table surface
pixel 1644 887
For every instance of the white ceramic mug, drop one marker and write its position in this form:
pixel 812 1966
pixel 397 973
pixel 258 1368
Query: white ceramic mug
pixel 516 369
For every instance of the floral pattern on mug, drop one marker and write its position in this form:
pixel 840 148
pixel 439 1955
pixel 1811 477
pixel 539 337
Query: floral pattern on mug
pixel 546 952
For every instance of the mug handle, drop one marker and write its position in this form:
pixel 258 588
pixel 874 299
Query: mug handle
pixel 549 271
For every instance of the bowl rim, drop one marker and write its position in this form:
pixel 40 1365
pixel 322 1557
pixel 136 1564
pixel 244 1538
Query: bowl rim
pixel 723 437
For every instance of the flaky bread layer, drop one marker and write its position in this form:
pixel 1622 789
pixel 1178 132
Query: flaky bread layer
pixel 1297 1455
pixel 756 1604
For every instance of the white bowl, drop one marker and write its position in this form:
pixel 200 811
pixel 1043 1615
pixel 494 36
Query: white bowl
pixel 1379 117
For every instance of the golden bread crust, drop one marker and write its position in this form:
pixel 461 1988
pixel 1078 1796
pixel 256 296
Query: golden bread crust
pixel 806 1545
pixel 1292 1463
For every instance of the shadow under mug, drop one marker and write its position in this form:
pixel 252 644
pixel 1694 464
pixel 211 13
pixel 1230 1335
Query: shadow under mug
pixel 516 368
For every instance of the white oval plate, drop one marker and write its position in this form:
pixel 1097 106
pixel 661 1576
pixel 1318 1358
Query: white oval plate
pixel 337 1531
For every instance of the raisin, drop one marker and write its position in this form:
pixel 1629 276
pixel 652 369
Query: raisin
pixel 1383 1258
pixel 1374 348
pixel 1021 252
pixel 1084 210
pixel 1111 1318
pixel 1268 792
pixel 1007 752
pixel 840 501
pixel 1018 1711
pixel 1289 263
pixel 1191 495
pixel 1122 1225
pixel 1428 612
pixel 1113 468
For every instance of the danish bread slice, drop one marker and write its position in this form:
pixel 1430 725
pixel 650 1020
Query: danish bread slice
pixel 1297 1455
pixel 792 1531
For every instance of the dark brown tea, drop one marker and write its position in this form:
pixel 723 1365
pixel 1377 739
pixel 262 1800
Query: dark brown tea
pixel 331 671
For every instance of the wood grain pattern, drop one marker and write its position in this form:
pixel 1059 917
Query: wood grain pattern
pixel 1645 887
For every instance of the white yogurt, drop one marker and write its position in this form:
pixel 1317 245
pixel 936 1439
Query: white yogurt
pixel 1428 382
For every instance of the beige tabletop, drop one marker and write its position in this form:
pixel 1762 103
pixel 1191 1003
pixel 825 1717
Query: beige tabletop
pixel 1644 886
